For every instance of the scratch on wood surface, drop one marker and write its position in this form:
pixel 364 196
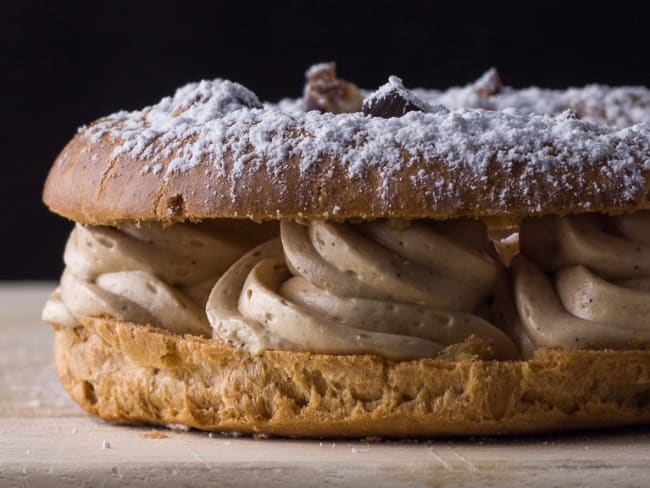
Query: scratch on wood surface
pixel 197 456
pixel 439 458
pixel 472 467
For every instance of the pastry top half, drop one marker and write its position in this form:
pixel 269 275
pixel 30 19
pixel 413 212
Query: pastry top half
pixel 214 150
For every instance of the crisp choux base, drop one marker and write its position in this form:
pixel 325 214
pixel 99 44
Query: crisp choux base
pixel 139 374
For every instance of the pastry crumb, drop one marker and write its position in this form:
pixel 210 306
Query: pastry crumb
pixel 153 435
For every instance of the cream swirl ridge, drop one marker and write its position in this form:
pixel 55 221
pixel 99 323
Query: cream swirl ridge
pixel 148 274
pixel 373 288
pixel 584 281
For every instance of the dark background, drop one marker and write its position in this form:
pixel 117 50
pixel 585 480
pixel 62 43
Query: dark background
pixel 67 63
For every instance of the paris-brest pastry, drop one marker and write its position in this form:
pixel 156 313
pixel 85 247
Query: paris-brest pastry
pixel 359 263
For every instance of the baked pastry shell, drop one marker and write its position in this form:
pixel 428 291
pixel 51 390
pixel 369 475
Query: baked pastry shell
pixel 131 373
pixel 91 185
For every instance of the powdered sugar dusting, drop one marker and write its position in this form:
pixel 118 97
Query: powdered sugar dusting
pixel 192 106
pixel 620 106
pixel 204 122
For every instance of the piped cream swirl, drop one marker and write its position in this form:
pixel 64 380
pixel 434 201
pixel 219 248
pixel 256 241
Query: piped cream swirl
pixel 146 274
pixel 373 288
pixel 584 281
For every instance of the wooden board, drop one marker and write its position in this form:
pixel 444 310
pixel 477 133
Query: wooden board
pixel 46 440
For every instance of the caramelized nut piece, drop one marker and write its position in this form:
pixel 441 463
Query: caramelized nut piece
pixel 393 100
pixel 327 93
pixel 489 84
pixel 321 72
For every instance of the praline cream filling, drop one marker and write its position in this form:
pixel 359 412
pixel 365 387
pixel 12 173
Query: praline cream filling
pixel 389 288
pixel 366 288
pixel 584 281
pixel 147 274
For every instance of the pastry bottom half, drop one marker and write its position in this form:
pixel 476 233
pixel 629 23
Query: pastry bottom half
pixel 130 373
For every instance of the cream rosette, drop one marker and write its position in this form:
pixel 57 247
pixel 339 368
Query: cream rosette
pixel 584 280
pixel 389 288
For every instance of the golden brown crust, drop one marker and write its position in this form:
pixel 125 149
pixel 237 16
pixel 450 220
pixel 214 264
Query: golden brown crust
pixel 128 373
pixel 87 184
pixel 213 150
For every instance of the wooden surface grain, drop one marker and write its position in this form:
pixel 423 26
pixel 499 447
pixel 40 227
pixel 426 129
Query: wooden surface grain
pixel 46 440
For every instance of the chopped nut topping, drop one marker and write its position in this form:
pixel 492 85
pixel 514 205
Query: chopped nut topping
pixel 489 84
pixel 327 93
pixel 393 100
